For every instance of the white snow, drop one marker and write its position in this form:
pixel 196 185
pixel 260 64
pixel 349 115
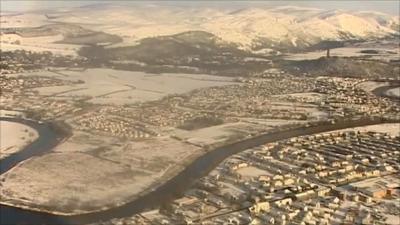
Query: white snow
pixel 22 20
pixel 286 24
pixel 107 86
pixel 394 92
pixel 14 136
pixel 11 42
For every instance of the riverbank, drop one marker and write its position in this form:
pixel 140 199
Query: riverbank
pixel 14 137
pixel 47 139
pixel 390 91
pixel 382 88
pixel 76 179
pixel 176 185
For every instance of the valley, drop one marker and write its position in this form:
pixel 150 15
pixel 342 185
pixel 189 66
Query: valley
pixel 113 115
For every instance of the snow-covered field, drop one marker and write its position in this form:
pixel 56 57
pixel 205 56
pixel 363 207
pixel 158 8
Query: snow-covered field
pixel 309 109
pixel 228 131
pixel 371 85
pixel 389 128
pixel 88 173
pixel 11 42
pixel 107 86
pixel 211 135
pixel 394 92
pixel 10 113
pixel 68 182
pixel 12 20
pixel 14 137
pixel 252 172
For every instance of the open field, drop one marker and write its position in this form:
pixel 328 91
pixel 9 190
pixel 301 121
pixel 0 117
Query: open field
pixel 13 20
pixel 309 109
pixel 371 85
pixel 10 113
pixel 252 172
pixel 390 128
pixel 71 182
pixel 107 86
pixel 11 42
pixel 228 131
pixel 14 136
pixel 212 135
pixel 88 173
pixel 394 92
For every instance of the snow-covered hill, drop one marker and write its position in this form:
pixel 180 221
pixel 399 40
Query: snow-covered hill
pixel 251 28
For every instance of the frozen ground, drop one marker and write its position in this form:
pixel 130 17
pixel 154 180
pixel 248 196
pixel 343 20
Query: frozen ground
pixel 390 128
pixel 228 131
pixel 371 85
pixel 13 20
pixel 11 42
pixel 107 86
pixel 14 136
pixel 89 173
pixel 309 109
pixel 71 182
pixel 10 113
pixel 211 135
pixel 394 92
pixel 252 172
pixel 298 103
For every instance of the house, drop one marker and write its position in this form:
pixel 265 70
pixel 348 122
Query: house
pixel 284 201
pixel 259 207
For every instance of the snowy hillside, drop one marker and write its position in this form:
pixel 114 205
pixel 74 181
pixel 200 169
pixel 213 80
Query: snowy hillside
pixel 251 28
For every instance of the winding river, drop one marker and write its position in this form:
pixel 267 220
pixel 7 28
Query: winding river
pixel 166 192
pixel 47 139
pixel 383 92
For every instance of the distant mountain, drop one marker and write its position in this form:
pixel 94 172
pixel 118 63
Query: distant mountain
pixel 286 29
pixel 258 29
pixel 282 28
pixel 191 51
pixel 190 45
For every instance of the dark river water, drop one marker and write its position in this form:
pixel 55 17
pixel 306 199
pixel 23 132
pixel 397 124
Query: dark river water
pixel 381 91
pixel 164 193
pixel 47 140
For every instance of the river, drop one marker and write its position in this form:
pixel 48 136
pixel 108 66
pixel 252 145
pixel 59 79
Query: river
pixel 383 92
pixel 47 140
pixel 164 193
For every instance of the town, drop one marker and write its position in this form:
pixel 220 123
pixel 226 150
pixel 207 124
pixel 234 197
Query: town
pixel 251 99
pixel 271 118
pixel 331 178
pixel 328 178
